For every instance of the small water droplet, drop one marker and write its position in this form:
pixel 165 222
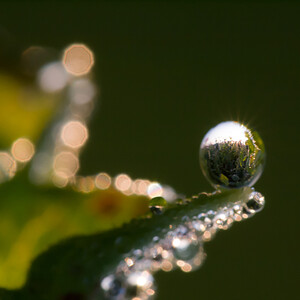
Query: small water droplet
pixel 112 287
pixel 221 220
pixel 155 239
pixel 255 202
pixel 185 248
pixel 237 212
pixel 181 230
pixel 199 226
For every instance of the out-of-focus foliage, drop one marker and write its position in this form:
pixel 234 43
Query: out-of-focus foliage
pixel 25 111
pixel 33 218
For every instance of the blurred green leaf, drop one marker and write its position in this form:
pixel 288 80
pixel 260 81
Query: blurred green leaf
pixel 33 218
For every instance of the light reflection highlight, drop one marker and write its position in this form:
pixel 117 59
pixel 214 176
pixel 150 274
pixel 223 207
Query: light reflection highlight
pixel 155 190
pixel 229 131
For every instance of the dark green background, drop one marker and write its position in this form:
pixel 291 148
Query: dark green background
pixel 167 73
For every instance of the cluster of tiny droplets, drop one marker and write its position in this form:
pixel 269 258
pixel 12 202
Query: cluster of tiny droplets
pixel 181 247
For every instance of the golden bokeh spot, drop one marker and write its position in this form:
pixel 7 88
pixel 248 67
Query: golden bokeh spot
pixel 140 186
pixel 123 182
pixel 78 59
pixel 59 182
pixel 186 268
pixel 22 150
pixel 102 181
pixel 167 266
pixel 8 166
pixel 74 134
pixel 65 164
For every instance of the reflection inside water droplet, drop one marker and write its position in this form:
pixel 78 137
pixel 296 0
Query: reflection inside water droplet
pixel 232 156
pixel 255 203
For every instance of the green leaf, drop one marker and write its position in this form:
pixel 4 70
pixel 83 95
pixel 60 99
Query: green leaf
pixel 75 266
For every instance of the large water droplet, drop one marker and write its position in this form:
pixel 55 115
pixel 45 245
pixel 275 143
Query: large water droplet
pixel 232 156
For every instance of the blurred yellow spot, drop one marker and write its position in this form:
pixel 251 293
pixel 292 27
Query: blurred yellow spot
pixel 155 190
pixel 123 182
pixel 24 112
pixel 74 134
pixel 22 150
pixel 85 184
pixel 8 166
pixel 102 181
pixel 65 164
pixel 78 59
